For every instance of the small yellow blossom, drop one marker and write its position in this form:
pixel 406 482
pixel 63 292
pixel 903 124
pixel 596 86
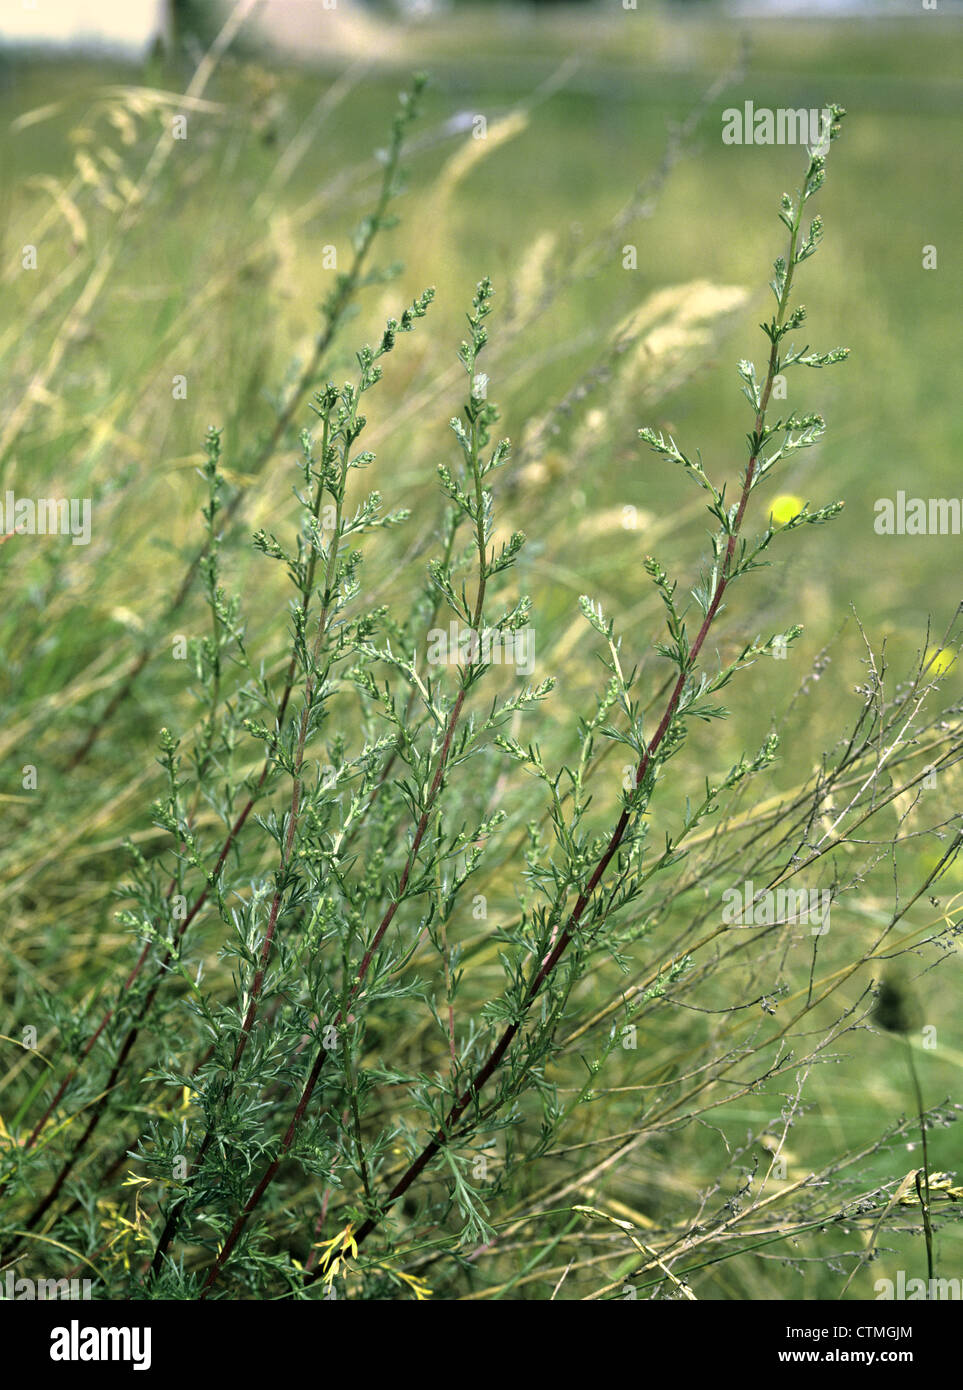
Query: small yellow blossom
pixel 938 661
pixel 785 507
pixel 331 1261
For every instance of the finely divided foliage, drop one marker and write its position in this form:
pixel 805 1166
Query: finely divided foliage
pixel 342 1105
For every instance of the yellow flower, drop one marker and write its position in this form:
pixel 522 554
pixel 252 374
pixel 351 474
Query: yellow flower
pixel 938 661
pixel 331 1258
pixel 785 507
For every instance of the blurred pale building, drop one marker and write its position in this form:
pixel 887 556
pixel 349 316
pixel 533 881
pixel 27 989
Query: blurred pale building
pixel 123 27
pixel 308 29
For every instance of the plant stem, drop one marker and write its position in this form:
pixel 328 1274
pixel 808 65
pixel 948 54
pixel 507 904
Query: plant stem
pixel 495 1058
pixel 442 763
pixel 922 1192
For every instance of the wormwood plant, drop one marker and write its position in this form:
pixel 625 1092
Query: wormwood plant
pixel 285 1124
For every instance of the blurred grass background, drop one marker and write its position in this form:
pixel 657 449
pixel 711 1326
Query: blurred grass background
pixel 220 280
